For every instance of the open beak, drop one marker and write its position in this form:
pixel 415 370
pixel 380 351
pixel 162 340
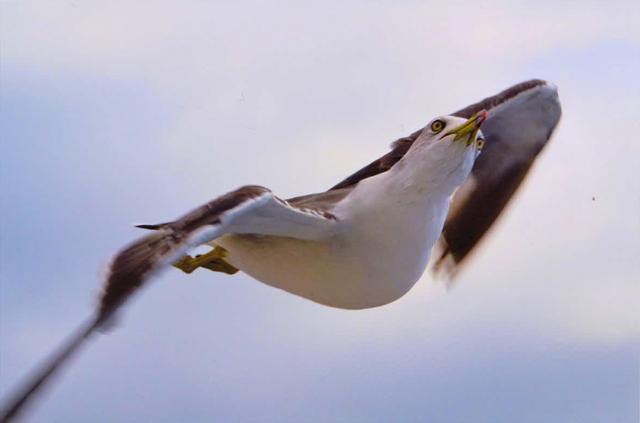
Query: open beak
pixel 470 127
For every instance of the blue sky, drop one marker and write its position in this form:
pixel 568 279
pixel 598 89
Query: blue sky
pixel 121 112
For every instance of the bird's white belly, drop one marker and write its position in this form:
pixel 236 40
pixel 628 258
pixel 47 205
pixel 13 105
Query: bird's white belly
pixel 369 264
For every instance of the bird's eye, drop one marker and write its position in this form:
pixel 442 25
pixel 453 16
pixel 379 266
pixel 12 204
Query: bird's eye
pixel 480 143
pixel 437 126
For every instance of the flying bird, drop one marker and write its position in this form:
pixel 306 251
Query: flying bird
pixel 364 242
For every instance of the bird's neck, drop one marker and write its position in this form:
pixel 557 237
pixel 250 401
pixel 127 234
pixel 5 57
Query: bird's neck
pixel 421 179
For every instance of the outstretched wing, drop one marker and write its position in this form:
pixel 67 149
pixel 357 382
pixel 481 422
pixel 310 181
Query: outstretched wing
pixel 248 210
pixel 521 121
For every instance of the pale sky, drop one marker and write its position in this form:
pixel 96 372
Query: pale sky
pixel 114 113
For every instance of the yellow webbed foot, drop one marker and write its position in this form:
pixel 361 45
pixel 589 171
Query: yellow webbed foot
pixel 213 260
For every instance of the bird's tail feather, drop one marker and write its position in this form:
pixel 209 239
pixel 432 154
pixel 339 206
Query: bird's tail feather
pixel 16 402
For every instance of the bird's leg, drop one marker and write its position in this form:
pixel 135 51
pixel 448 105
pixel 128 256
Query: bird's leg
pixel 213 260
pixel 220 265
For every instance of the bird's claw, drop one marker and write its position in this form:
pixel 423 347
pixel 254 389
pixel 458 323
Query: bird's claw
pixel 213 260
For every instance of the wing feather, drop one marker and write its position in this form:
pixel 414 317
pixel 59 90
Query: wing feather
pixel 516 132
pixel 250 209
pixel 521 121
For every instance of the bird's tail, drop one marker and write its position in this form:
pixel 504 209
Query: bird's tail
pixel 17 401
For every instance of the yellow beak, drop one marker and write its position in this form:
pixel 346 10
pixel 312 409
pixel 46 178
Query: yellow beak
pixel 471 126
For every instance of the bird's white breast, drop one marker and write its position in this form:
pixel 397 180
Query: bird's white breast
pixel 379 252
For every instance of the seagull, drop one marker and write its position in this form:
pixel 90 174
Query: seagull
pixel 364 242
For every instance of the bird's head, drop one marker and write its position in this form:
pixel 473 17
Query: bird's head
pixel 448 146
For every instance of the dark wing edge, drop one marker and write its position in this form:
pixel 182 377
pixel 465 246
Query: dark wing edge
pixel 20 398
pixel 518 129
pixel 130 269
pixel 400 146
pixel 134 264
pixel 398 149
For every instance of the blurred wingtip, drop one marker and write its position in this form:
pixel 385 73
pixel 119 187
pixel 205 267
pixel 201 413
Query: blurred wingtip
pixel 445 267
pixel 21 399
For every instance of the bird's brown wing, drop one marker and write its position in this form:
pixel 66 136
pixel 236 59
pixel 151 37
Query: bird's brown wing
pixel 250 209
